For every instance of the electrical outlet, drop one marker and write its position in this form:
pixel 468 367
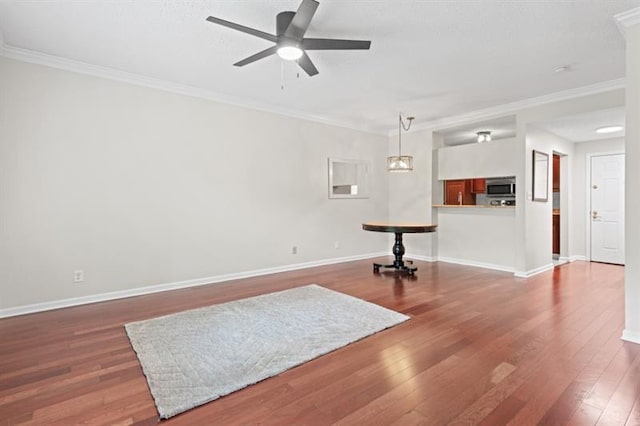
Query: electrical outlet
pixel 78 276
pixel 294 250
pixel 336 245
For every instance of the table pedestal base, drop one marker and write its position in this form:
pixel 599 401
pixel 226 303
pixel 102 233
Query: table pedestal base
pixel 403 268
pixel 398 263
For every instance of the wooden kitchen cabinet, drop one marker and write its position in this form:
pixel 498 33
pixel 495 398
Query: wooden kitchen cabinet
pixel 556 234
pixel 556 173
pixel 459 192
pixel 478 186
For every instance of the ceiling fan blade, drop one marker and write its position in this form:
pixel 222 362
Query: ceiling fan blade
pixel 301 20
pixel 257 56
pixel 243 29
pixel 306 64
pixel 334 44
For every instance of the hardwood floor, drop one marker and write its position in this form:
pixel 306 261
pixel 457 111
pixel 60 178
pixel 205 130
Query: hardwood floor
pixel 482 347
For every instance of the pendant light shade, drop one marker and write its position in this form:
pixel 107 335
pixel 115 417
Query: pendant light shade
pixel 401 163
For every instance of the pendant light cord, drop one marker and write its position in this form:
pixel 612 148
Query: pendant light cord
pixel 406 129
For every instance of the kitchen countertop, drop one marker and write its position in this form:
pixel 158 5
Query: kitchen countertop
pixel 471 206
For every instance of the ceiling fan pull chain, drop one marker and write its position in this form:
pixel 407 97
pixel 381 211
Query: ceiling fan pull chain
pixel 281 75
pixel 297 70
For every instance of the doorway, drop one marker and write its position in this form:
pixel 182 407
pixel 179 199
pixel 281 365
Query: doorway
pixel 606 212
pixel 555 216
pixel 560 207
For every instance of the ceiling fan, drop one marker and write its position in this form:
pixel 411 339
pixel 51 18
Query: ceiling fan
pixel 290 43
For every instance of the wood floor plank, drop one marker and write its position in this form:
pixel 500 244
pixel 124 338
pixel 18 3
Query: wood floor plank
pixel 634 416
pixel 482 347
pixel 621 403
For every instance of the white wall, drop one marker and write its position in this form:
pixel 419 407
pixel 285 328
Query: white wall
pixel 477 236
pixel 539 218
pixel 632 182
pixel 488 159
pixel 580 187
pixel 139 187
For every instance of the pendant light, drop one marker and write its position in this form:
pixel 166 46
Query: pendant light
pixel 401 163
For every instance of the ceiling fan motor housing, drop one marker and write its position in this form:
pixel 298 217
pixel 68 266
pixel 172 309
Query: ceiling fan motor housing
pixel 283 19
pixel 290 42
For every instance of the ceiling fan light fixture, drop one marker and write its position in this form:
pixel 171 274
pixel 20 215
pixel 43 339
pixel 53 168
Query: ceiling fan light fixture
pixel 484 136
pixel 289 41
pixel 289 53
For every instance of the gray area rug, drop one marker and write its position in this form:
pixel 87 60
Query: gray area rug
pixel 196 356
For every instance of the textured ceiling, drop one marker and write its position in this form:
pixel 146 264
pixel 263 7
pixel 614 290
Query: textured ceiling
pixel 582 127
pixel 430 59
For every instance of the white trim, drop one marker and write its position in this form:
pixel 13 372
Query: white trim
pixel 140 80
pixel 528 274
pixel 577 257
pixel 513 107
pixel 475 264
pixel 102 297
pixel 588 157
pixel 420 257
pixel 627 19
pixel 58 62
pixel 631 336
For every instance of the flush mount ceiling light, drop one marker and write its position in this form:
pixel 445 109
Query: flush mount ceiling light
pixel 401 163
pixel 608 129
pixel 484 136
pixel 289 53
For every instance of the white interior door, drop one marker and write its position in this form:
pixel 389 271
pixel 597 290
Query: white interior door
pixel 607 208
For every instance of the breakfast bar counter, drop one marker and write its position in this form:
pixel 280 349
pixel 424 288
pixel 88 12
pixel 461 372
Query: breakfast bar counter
pixel 471 206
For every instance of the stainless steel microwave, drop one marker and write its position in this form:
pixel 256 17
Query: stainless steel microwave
pixel 501 187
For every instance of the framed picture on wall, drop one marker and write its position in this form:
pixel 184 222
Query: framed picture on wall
pixel 540 176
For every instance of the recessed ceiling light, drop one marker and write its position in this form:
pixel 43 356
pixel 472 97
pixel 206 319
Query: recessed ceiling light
pixel 609 129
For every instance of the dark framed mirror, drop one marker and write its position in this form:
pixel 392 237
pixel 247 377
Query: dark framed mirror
pixel 540 176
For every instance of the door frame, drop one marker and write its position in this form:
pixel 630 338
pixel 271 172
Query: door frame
pixel 565 207
pixel 587 212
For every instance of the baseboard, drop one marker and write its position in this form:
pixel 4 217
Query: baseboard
pixel 475 264
pixel 631 336
pixel 528 274
pixel 103 297
pixel 574 258
pixel 420 257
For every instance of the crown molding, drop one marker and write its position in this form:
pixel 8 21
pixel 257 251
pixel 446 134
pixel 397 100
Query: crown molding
pixel 58 62
pixel 627 19
pixel 514 107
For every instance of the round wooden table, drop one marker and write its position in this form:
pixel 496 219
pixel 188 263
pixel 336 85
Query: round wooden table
pixel 398 248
